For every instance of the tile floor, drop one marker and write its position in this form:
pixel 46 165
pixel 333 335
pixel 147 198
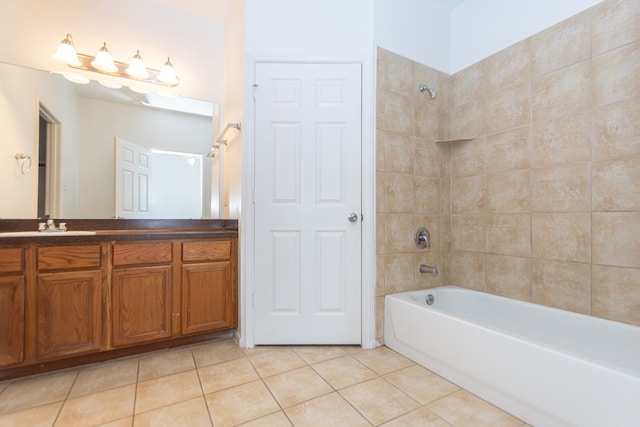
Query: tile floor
pixel 217 384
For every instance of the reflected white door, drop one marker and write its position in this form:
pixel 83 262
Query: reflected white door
pixel 133 179
pixel 308 204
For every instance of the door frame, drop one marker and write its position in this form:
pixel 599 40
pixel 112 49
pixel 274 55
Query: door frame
pixel 53 196
pixel 245 333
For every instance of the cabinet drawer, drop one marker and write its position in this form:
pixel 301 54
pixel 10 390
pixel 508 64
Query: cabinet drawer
pixel 209 250
pixel 11 260
pixel 138 253
pixel 68 257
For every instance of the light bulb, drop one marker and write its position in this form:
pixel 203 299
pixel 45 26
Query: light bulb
pixel 104 60
pixel 136 68
pixel 66 53
pixel 168 74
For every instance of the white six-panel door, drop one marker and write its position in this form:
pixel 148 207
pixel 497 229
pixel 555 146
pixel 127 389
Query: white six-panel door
pixel 307 185
pixel 133 179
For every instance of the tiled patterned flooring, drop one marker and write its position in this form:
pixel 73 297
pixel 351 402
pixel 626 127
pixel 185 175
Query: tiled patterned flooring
pixel 218 384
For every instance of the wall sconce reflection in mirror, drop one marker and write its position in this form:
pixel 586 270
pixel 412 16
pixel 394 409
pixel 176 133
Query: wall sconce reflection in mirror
pixel 24 163
pixel 114 74
pixel 221 139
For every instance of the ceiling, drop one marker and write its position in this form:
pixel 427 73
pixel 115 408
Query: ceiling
pixel 218 9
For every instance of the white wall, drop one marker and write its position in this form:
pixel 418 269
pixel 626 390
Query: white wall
pixel 101 121
pixel 32 29
pixel 429 32
pixel 232 112
pixel 308 30
pixel 21 90
pixel 481 28
pixel 177 191
pixel 416 29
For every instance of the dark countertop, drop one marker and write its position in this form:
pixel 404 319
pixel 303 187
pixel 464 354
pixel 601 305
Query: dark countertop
pixel 122 230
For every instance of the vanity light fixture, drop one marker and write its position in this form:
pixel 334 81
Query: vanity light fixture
pixel 118 73
pixel 66 53
pixel 104 61
pixel 168 74
pixel 136 68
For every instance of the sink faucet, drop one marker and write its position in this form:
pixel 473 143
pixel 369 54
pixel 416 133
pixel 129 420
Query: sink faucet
pixel 424 268
pixel 50 225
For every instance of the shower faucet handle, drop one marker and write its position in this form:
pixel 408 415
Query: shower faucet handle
pixel 422 238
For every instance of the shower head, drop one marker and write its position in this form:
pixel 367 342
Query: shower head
pixel 425 88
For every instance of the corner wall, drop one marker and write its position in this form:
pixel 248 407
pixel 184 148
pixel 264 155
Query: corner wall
pixel 543 204
pixel 419 30
pixel 546 198
pixel 412 189
pixel 232 111
pixel 480 28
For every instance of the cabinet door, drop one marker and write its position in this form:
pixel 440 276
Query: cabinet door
pixel 69 313
pixel 207 297
pixel 11 320
pixel 141 304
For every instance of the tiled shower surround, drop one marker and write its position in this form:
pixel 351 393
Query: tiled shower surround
pixel 543 204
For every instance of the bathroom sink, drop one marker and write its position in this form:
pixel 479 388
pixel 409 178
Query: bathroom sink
pixel 45 233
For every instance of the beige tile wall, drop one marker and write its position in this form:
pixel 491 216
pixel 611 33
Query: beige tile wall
pixel 543 204
pixel 413 186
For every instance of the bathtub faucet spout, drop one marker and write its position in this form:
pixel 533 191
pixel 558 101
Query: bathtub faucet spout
pixel 424 268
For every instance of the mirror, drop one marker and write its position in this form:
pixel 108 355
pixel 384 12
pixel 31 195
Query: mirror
pixel 74 169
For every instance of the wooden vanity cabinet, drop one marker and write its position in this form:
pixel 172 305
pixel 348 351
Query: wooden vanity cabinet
pixel 208 291
pixel 12 284
pixel 144 298
pixel 64 303
pixel 69 301
pixel 141 292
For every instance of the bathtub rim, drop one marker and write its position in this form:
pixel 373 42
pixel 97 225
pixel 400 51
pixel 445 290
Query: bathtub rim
pixel 602 363
pixel 548 405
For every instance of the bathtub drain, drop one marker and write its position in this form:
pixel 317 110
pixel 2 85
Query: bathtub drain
pixel 430 299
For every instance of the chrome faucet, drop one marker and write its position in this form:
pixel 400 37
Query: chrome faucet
pixel 424 268
pixel 50 225
pixel 422 238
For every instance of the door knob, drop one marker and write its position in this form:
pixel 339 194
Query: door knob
pixel 353 217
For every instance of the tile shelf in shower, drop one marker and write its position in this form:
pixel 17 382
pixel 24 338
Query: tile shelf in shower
pixel 451 141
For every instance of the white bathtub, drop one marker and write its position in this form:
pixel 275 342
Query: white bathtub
pixel 546 366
